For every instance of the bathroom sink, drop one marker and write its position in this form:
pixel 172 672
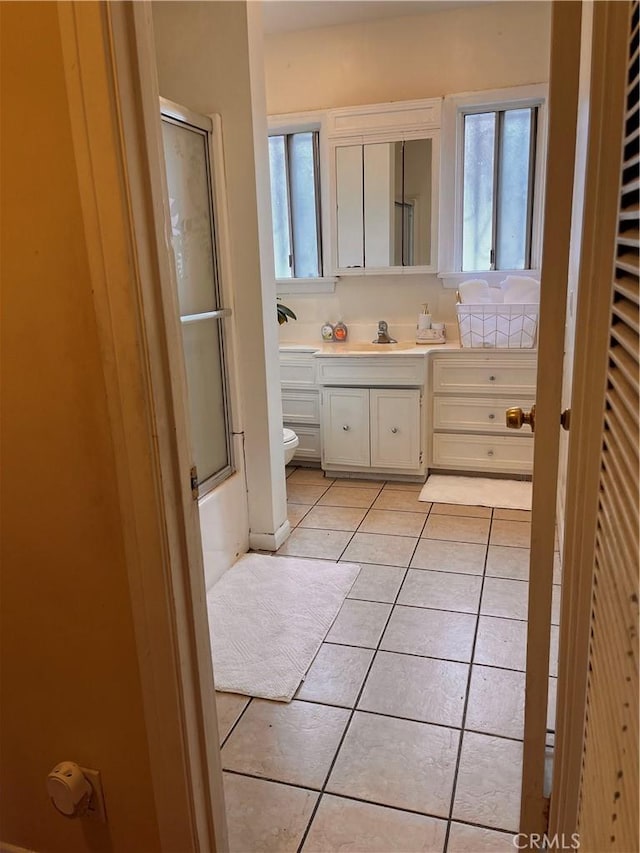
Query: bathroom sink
pixel 381 349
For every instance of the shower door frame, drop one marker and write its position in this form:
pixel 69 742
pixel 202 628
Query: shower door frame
pixel 211 128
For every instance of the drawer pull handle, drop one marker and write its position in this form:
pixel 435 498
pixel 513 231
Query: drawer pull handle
pixel 346 427
pixel 492 417
pixel 492 379
pixel 489 452
pixel 394 430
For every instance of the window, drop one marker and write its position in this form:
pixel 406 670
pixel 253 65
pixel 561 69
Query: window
pixel 499 151
pixel 295 204
pixel 493 178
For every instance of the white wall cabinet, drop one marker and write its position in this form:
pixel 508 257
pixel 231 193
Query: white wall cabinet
pixel 371 428
pixel 385 168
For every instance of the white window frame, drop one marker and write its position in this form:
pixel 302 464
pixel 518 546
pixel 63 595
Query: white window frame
pixel 455 108
pixel 304 123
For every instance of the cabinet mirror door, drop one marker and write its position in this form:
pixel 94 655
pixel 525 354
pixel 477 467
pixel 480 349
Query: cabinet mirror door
pixel 384 204
pixel 349 197
pixel 414 212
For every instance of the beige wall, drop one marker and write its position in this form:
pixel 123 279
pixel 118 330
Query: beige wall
pixel 394 59
pixel 492 46
pixel 362 301
pixel 70 681
pixel 205 58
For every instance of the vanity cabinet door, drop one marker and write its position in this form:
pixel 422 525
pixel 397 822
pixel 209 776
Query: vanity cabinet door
pixel 345 426
pixel 395 427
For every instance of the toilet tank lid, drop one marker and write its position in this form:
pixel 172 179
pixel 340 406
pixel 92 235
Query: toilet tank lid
pixel 289 435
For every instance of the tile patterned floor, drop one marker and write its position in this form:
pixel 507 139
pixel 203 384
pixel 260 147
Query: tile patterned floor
pixel 407 733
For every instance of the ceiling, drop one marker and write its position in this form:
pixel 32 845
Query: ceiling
pixel 281 16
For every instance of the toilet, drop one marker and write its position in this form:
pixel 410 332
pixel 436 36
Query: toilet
pixel 291 441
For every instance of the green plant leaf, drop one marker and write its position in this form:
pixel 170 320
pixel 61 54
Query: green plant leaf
pixel 284 313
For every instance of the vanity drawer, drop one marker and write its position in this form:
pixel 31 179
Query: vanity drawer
pixel 301 407
pixel 474 414
pixel 297 371
pixel 373 371
pixel 475 375
pixel 309 441
pixel 508 454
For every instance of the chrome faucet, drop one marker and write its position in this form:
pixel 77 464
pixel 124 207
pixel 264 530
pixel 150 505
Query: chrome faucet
pixel 383 334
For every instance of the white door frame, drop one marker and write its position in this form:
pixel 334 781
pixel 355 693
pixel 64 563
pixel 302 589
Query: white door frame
pixel 563 101
pixel 113 98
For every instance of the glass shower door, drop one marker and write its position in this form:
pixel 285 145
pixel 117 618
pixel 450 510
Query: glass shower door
pixel 188 168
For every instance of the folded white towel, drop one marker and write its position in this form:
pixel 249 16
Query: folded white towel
pixel 496 295
pixel 474 291
pixel 519 289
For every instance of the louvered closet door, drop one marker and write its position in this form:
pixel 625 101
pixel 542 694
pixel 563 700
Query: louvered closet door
pixel 608 811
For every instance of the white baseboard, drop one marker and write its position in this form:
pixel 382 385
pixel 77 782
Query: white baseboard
pixel 270 541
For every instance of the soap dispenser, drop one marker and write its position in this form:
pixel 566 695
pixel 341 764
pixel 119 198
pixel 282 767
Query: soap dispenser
pixel 423 327
pixel 326 332
pixel 340 331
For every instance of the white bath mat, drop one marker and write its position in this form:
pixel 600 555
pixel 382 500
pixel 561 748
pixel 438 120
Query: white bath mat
pixel 477 491
pixel 268 617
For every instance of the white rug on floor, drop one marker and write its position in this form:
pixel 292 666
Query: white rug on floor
pixel 268 617
pixel 477 491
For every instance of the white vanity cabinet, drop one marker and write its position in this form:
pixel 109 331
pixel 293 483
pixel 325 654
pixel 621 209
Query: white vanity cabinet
pixel 399 415
pixel 394 417
pixel 470 394
pixel 301 400
pixel 345 427
pixel 371 429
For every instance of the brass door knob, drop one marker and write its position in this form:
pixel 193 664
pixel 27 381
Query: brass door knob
pixel 516 417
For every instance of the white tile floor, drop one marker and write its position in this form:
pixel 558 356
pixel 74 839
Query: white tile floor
pixel 407 733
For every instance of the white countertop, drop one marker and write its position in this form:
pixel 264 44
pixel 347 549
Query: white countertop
pixel 361 348
pixel 402 348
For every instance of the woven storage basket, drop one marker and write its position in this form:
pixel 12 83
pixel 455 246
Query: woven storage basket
pixel 495 325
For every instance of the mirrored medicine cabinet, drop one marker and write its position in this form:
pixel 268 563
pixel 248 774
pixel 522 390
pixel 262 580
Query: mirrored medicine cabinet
pixel 385 161
pixel 383 204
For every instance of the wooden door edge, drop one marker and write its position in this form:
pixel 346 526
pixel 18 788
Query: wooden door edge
pixel 609 54
pixel 563 102
pixel 111 79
